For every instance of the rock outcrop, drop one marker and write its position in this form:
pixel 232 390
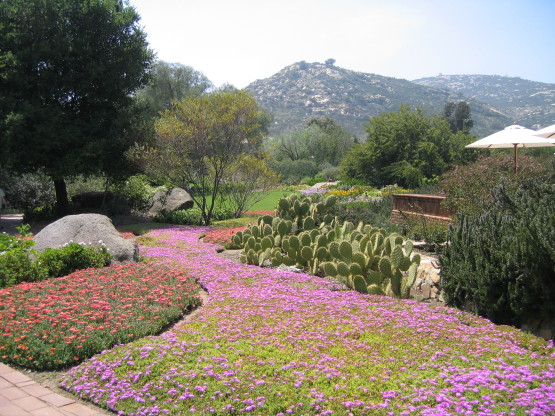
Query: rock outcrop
pixel 175 199
pixel 93 229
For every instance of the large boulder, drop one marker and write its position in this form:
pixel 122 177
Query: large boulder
pixel 94 229
pixel 175 199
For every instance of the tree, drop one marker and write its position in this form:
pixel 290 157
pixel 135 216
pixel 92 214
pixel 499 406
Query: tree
pixel 68 69
pixel 198 139
pixel 322 142
pixel 328 142
pixel 171 82
pixel 404 147
pixel 458 116
pixel 247 182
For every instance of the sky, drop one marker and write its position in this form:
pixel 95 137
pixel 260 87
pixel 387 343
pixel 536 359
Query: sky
pixel 240 41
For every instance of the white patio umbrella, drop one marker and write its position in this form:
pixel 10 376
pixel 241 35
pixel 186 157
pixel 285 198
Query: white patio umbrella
pixel 511 137
pixel 547 132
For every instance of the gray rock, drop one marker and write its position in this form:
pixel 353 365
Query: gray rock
pixel 175 199
pixel 94 229
pixel 284 268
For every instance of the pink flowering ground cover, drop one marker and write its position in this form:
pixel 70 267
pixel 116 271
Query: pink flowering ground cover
pixel 278 343
pixel 59 322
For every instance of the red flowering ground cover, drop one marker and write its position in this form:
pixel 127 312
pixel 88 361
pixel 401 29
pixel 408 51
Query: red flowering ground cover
pixel 257 213
pixel 59 322
pixel 127 235
pixel 222 236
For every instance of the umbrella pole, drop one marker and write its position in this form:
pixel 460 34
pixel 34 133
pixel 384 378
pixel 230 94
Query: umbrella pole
pixel 515 155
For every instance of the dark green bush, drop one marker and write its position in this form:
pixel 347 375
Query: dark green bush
pixel 501 264
pixel 41 213
pixel 27 190
pixel 469 187
pixel 311 181
pixel 63 261
pixel 293 171
pixel 376 212
pixel 16 262
pixel 192 216
pixel 136 191
pixel 20 263
pixel 432 232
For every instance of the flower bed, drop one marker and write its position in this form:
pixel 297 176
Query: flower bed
pixel 59 322
pixel 258 213
pixel 127 235
pixel 278 343
pixel 222 236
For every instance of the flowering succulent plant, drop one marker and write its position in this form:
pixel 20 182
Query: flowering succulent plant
pixel 270 342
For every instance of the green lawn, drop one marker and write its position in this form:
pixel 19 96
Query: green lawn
pixel 268 203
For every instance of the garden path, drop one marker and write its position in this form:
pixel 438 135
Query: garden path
pixel 10 222
pixel 22 396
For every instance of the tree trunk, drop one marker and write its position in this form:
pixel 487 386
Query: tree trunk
pixel 62 202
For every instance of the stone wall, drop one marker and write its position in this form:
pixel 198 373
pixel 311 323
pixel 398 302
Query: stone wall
pixel 427 285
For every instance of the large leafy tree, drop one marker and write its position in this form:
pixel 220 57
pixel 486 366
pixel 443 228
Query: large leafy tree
pixel 247 182
pixel 319 145
pixel 321 140
pixel 171 82
pixel 404 147
pixel 198 140
pixel 458 116
pixel 68 69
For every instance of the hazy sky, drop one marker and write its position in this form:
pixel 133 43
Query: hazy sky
pixel 240 41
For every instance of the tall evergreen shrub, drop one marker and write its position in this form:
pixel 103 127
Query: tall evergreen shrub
pixel 501 264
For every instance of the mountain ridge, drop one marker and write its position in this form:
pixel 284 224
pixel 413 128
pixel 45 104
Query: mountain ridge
pixel 304 90
pixel 526 102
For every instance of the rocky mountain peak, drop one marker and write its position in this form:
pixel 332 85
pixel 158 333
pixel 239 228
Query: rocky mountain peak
pixel 302 91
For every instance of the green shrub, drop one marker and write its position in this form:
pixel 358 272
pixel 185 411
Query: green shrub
pixel 27 190
pixel 469 188
pixel 136 191
pixel 293 171
pixel 41 213
pixel 375 211
pixel 432 232
pixel 191 216
pixel 348 183
pixel 329 172
pixel 20 263
pixel 73 256
pixel 16 260
pixel 501 264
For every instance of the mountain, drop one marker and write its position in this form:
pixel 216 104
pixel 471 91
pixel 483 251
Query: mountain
pixel 304 90
pixel 528 103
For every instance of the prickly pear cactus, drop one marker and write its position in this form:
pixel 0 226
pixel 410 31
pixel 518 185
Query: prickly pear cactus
pixel 304 234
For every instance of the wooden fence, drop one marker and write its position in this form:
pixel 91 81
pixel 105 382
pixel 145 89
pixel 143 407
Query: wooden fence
pixel 428 206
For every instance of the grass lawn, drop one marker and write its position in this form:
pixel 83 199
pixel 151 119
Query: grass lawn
pixel 279 343
pixel 269 203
